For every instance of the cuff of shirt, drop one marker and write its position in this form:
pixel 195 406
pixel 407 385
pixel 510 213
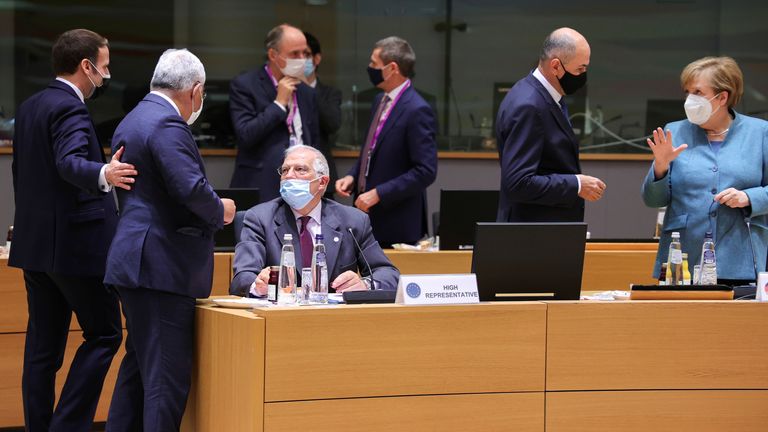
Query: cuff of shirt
pixel 252 291
pixel 281 106
pixel 578 182
pixel 103 185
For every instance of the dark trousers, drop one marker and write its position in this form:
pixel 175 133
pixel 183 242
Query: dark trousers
pixel 51 299
pixel 156 373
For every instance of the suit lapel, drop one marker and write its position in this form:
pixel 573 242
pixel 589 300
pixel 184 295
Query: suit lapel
pixel 392 120
pixel 266 83
pixel 333 235
pixel 285 223
pixel 554 109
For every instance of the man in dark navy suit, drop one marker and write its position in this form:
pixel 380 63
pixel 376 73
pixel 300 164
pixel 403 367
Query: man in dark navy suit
pixel 162 256
pixel 65 218
pixel 272 109
pixel 541 178
pixel 399 156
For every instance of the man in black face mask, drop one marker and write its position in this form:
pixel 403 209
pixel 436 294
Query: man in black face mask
pixel 541 178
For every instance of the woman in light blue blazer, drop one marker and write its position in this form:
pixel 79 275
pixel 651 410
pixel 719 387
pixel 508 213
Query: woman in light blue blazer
pixel 711 171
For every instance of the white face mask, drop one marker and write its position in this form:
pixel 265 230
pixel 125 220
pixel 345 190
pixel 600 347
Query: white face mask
pixel 294 68
pixel 698 109
pixel 195 114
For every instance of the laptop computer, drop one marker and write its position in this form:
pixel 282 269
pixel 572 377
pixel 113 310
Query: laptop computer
pixel 459 211
pixel 529 261
pixel 245 198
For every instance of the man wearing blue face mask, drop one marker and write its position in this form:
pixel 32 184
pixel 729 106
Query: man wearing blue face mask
pixel 303 212
pixel 541 179
pixel 272 109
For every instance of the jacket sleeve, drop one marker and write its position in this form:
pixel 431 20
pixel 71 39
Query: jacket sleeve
pixel 251 123
pixel 250 255
pixel 71 129
pixel 422 153
pixel 522 135
pixel 177 158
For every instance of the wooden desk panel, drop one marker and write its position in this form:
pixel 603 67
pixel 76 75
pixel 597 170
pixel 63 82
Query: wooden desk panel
pixel 414 262
pixel 658 411
pixel 520 412
pixel 11 362
pixel 656 345
pixel 392 350
pixel 228 375
pixel 222 273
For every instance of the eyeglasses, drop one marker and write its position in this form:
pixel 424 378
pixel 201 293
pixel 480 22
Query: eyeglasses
pixel 300 170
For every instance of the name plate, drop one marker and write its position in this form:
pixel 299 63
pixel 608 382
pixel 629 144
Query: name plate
pixel 437 289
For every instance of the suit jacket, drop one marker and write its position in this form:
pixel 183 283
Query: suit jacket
pixel 262 135
pixel 164 239
pixel 62 223
pixel 403 164
pixel 696 176
pixel 262 240
pixel 539 157
pixel 329 114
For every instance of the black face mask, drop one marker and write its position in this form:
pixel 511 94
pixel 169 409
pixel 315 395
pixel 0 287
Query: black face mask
pixel 572 83
pixel 98 90
pixel 376 76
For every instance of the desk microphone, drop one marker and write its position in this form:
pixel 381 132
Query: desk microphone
pixel 362 254
pixel 747 291
pixel 373 295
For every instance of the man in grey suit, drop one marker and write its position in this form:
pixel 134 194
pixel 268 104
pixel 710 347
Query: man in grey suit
pixel 303 212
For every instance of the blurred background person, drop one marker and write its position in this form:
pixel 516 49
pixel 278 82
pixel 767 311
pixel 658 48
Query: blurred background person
pixel 272 109
pixel 162 257
pixel 711 171
pixel 328 107
pixel 64 222
pixel 541 179
pixel 398 160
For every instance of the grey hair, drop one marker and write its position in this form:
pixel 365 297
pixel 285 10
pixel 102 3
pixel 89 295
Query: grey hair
pixel 320 164
pixel 177 69
pixel 398 50
pixel 558 44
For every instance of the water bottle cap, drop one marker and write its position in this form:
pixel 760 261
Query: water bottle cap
pixel 675 234
pixel 318 237
pixel 288 237
pixel 708 234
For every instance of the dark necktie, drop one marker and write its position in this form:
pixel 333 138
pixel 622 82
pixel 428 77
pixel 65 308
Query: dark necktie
pixel 564 109
pixel 366 154
pixel 305 239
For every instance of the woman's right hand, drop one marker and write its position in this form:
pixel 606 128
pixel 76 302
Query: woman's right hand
pixel 663 152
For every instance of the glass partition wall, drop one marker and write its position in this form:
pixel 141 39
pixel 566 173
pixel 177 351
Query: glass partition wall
pixel 468 53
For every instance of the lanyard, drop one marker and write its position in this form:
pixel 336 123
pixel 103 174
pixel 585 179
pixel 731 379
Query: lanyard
pixel 385 115
pixel 291 108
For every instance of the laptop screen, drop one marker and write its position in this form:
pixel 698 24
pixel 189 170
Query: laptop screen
pixel 529 261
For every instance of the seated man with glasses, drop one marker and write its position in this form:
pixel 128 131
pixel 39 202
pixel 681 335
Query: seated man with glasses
pixel 302 212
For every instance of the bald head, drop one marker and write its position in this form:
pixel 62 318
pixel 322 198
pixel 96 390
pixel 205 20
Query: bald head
pixel 564 43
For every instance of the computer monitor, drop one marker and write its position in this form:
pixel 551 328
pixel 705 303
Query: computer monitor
pixel 529 261
pixel 459 211
pixel 245 198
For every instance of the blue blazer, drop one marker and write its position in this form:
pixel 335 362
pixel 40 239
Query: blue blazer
pixel 695 177
pixel 63 223
pixel 403 164
pixel 539 157
pixel 262 135
pixel 164 239
pixel 267 223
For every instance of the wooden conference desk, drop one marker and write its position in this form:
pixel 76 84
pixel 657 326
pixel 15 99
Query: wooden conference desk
pixel 554 366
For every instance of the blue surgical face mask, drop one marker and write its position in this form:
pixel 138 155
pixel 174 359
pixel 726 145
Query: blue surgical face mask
pixel 296 193
pixel 309 67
